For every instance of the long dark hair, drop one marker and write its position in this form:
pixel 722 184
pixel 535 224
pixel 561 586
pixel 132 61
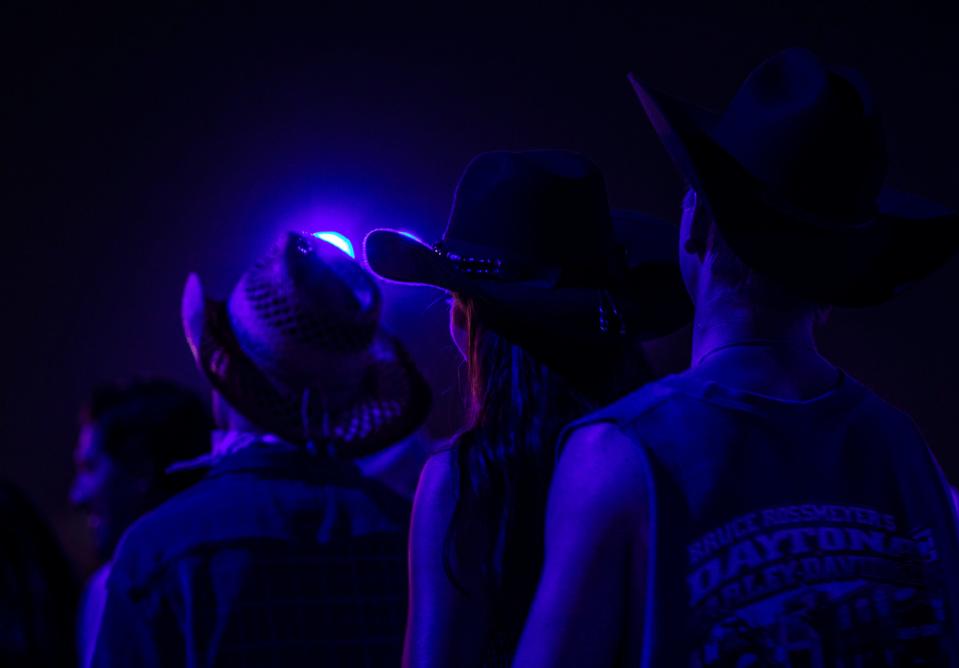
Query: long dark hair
pixel 504 460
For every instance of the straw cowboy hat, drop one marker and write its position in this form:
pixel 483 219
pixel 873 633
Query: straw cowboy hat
pixel 299 351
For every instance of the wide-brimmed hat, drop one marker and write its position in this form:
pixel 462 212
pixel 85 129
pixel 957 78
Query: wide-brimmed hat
pixel 531 236
pixel 793 174
pixel 299 351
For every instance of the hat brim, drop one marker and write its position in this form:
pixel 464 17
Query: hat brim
pixel 841 261
pixel 394 399
pixel 652 301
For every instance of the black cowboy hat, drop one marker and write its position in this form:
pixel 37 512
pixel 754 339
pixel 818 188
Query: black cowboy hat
pixel 300 325
pixel 531 236
pixel 793 174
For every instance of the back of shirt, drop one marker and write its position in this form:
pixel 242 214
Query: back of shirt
pixel 274 559
pixel 791 533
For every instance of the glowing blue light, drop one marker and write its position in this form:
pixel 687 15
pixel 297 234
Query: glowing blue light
pixel 338 240
pixel 410 235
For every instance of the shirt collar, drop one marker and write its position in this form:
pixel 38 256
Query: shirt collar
pixel 225 442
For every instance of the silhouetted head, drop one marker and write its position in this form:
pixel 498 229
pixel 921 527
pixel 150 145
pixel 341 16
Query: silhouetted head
pixel 712 271
pixel 793 173
pixel 298 351
pixel 129 436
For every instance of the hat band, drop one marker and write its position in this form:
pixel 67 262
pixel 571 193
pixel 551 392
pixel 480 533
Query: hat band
pixel 479 265
pixel 492 267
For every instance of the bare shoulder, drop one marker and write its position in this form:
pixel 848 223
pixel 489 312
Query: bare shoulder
pixel 599 455
pixel 445 626
pixel 433 508
pixel 437 482
pixel 601 471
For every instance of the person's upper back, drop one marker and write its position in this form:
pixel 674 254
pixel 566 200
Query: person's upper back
pixel 789 531
pixel 274 558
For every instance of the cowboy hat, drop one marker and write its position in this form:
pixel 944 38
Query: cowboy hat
pixel 793 174
pixel 298 350
pixel 531 236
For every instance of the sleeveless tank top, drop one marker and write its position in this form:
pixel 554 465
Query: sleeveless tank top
pixel 791 533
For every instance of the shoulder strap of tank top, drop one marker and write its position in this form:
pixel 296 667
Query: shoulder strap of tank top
pixel 664 610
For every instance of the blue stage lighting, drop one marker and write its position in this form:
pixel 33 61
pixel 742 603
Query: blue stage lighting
pixel 338 240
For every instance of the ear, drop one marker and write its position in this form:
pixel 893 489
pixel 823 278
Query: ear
pixel 193 313
pixel 695 226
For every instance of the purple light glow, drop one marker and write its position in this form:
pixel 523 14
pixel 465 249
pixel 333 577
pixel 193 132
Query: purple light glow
pixel 341 241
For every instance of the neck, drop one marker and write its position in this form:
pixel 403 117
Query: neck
pixel 229 420
pixel 238 424
pixel 725 321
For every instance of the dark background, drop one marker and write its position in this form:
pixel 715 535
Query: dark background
pixel 144 145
